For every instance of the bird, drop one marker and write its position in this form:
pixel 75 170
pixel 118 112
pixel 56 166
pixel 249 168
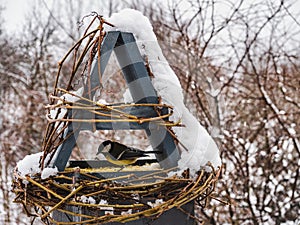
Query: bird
pixel 120 154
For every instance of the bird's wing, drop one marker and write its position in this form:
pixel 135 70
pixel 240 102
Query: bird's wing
pixel 120 155
pixel 119 145
pixel 131 154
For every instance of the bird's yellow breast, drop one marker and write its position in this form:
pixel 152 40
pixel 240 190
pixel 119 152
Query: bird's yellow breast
pixel 122 162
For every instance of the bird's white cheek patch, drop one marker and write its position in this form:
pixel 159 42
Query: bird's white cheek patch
pixel 106 148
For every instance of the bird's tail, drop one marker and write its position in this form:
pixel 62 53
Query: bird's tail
pixel 155 152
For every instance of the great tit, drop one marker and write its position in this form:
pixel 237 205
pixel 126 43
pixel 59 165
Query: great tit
pixel 120 154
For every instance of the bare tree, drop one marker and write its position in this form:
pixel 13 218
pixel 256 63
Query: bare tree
pixel 26 68
pixel 240 75
pixel 238 64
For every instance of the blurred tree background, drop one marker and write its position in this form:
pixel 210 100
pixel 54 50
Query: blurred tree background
pixel 238 63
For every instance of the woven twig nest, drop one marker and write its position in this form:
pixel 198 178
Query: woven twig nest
pixel 120 199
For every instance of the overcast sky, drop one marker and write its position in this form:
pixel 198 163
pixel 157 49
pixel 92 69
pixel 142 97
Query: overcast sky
pixel 14 13
pixel 15 10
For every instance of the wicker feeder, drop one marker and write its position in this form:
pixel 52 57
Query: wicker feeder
pixel 128 196
pixel 96 192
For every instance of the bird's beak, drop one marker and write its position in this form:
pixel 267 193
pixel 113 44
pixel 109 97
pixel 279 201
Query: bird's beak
pixel 100 148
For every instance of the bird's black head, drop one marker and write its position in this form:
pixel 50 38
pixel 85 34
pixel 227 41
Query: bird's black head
pixel 103 145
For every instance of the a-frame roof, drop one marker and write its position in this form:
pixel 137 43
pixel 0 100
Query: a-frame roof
pixel 142 91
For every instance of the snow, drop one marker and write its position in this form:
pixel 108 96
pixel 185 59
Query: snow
pixel 156 203
pixel 108 209
pixel 102 102
pixel 103 202
pixel 47 172
pixel 83 199
pixel 89 200
pixel 128 212
pixel 59 113
pixel 201 147
pixel 30 166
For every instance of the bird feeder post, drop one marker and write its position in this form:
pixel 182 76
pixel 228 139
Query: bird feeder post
pixel 172 216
